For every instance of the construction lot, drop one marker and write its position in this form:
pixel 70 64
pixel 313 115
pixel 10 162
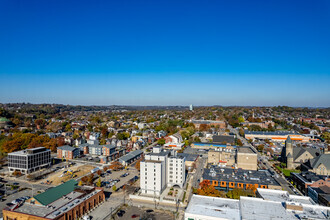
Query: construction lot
pixel 66 174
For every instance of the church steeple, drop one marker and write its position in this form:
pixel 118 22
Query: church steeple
pixel 288 140
pixel 289 152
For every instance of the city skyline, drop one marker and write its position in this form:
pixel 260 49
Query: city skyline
pixel 166 53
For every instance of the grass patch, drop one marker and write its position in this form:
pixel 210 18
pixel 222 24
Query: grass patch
pixel 184 196
pixel 287 172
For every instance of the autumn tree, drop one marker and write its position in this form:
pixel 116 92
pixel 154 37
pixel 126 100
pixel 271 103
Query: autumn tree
pixel 206 189
pixel 241 132
pixel 99 182
pixel 261 148
pixel 90 178
pixel 40 123
pixel 239 142
pixel 17 173
pixel 137 165
pixel 99 172
pixel 84 179
pixel 204 127
pixel 116 166
pixel 104 132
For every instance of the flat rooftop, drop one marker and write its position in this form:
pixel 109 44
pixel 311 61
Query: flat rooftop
pixel 245 149
pixel 29 151
pixel 58 207
pixel 256 208
pixel 214 207
pixel 240 176
pixel 283 196
pixel 249 208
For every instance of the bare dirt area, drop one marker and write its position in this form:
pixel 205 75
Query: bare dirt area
pixel 71 173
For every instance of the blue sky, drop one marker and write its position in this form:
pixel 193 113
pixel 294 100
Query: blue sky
pixel 165 52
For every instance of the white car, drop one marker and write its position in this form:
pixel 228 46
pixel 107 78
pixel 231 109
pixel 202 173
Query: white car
pixel 86 217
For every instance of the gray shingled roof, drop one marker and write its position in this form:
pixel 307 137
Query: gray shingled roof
pixel 224 138
pixel 130 155
pixel 67 148
pixel 322 159
pixel 298 151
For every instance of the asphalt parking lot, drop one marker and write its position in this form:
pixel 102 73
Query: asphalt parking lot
pixel 18 194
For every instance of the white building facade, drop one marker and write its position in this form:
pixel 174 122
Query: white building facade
pixel 176 171
pixel 159 170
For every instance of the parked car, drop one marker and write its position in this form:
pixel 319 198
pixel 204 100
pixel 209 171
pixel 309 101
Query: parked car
pixel 16 201
pixel 120 213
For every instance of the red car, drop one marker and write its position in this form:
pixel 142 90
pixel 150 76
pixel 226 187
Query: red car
pixel 135 216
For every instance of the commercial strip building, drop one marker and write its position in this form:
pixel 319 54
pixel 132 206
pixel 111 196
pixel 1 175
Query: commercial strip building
pixel 64 202
pixel 29 160
pixel 314 185
pixel 320 195
pixel 271 204
pixel 279 136
pixel 130 157
pixel 161 169
pixel 226 179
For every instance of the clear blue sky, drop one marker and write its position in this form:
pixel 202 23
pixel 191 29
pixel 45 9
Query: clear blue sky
pixel 165 52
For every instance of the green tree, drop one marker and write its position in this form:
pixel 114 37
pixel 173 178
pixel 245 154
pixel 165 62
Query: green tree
pixel 161 141
pixel 237 193
pixel 197 139
pixel 114 188
pixel 326 136
pixel 240 119
pixel 68 127
pixel 123 136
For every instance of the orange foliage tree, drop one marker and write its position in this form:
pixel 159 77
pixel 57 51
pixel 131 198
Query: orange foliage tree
pixel 116 166
pixel 21 141
pixel 204 127
pixel 137 165
pixel 206 189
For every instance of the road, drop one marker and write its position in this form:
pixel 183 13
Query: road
pixel 279 178
pixel 199 171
